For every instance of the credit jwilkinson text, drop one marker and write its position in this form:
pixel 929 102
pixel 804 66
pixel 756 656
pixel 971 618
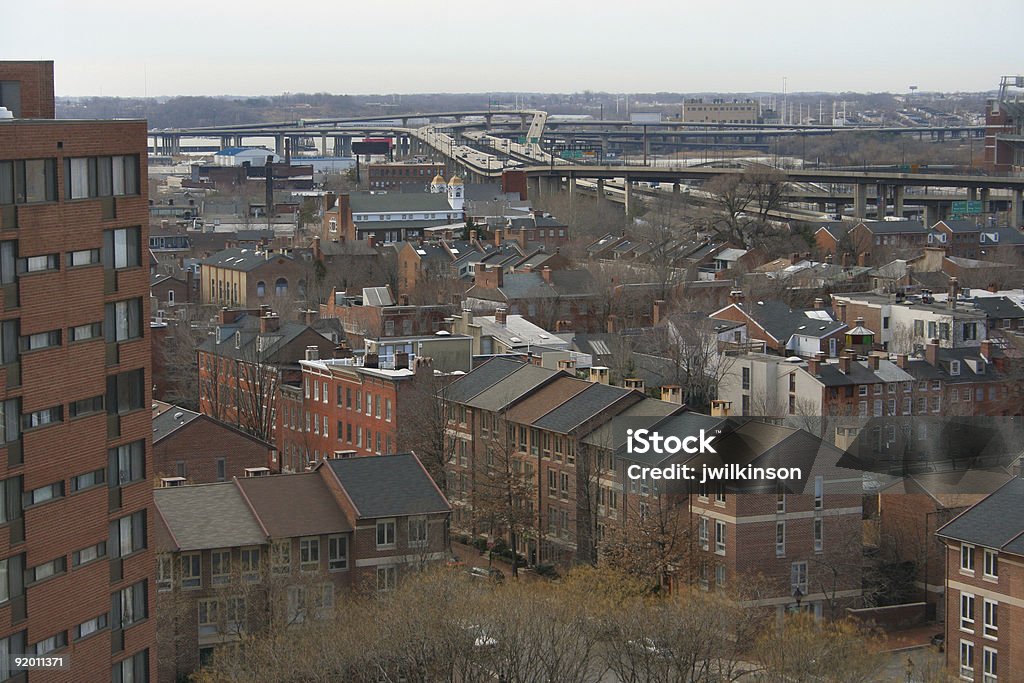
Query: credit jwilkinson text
pixel 641 441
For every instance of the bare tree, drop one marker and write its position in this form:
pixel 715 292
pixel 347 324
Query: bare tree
pixel 741 204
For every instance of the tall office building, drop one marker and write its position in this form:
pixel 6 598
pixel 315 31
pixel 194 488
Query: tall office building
pixel 76 568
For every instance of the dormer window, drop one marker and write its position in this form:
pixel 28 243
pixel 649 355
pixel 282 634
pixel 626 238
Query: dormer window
pixel 954 367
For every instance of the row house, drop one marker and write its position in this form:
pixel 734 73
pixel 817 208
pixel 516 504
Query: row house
pixel 510 419
pixel 378 313
pixel 239 556
pixel 984 560
pixel 545 297
pixel 799 542
pixel 957 238
pixel 340 408
pixel 241 367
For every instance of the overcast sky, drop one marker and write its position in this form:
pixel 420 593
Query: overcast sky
pixel 217 47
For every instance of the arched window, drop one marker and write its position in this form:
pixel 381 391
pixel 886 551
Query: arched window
pixel 281 287
pixel 261 289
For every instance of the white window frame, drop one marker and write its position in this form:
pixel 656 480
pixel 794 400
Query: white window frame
pixel 967 616
pixel 390 537
pixel 308 547
pixel 967 559
pixel 337 562
pixel 990 570
pixel 418 532
pixel 720 537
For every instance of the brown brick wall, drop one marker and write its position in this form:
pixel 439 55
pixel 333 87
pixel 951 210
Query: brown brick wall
pixel 36 80
pixel 199 445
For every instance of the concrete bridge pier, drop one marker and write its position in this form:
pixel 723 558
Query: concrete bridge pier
pixel 972 193
pixel 628 194
pixel 1017 209
pixel 897 200
pixel 881 200
pixel 931 215
pixel 985 196
pixel 860 200
pixel 601 196
pixel 533 188
pixel 279 144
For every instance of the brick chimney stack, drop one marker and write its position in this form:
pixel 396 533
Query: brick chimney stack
pixel 736 296
pixel 844 364
pixel 656 313
pixel 269 323
pixel 901 361
pixel 545 273
pixel 873 360
pixel 931 352
pixel 987 347
pixel 501 316
pixel 952 293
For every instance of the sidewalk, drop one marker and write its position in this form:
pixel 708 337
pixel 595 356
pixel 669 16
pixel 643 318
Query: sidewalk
pixel 471 557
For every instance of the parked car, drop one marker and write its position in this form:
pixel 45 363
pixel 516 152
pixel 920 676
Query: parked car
pixel 495 575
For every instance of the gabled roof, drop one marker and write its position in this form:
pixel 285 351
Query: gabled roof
pixel 581 407
pixel 782 322
pixel 959 225
pixel 837 229
pixel 510 389
pixel 388 486
pixel 480 379
pixel 275 500
pixel 170 420
pixel 248 344
pixel 895 227
pixel 208 516
pixel 996 522
pixel 642 414
pixel 998 307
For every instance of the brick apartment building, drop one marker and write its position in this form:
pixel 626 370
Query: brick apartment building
pixel 194 448
pixel 363 523
pixel 77 563
pixel 985 587
pixel 399 174
pixel 377 313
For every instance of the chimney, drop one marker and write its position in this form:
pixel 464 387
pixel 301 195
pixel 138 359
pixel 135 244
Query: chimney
pixel 672 393
pixel 472 235
pixel 841 306
pixel 986 350
pixel 720 408
pixel 901 361
pixel 269 323
pixel 545 273
pixel 288 150
pixel 370 360
pixel 467 316
pixel 656 313
pixel 401 360
pixel 599 374
pixel 814 364
pixel 633 383
pixel 952 293
pixel 993 287
pixel 873 360
pixel 794 258
pixel 317 254
pixel 819 303
pixel 844 364
pixel 736 296
pixel 931 352
pixel 501 316
pixel 403 299
pixel 309 317
pixel 312 353
pixel 371 240
pixel 498 234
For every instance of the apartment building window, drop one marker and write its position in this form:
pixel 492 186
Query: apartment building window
pixel 966 660
pixel 220 567
pixel 417 532
pixel 564 484
pixel 819 534
pixel 128 534
pixel 208 616
pixel 918 328
pixel 966 558
pixel 798 577
pixel 989 662
pixel 86 406
pixel 13 644
pixel 991 570
pixel 42 418
pixel 990 613
pixel 780 539
pixel 385 534
pixel 125 392
pixel 702 532
pixel 87 628
pixel 105 176
pixel 126 463
pixel 309 554
pixel 281 556
pixel 135 669
pixel 720 575
pixel 745 378
pixel 27 181
pixel 122 248
pixel 44 494
pixel 337 552
pixel 719 537
pixel 54 642
pixel 190 565
pixel 862 390
pixel 39 341
pixel 720 494
pixel 970 331
pixel 967 612
pixel 129 605
pixel 369 404
pixel 780 499
pixel 90 554
pixel 45 570
pixel 387 578
pixel 877 409
pixel 819 492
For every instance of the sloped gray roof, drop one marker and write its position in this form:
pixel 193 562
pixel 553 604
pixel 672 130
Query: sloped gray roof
pixel 388 485
pixel 581 408
pixel 510 388
pixel 243 259
pixel 995 522
pixel 480 378
pixel 170 420
pixel 208 516
pixel 291 505
pixel 782 322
